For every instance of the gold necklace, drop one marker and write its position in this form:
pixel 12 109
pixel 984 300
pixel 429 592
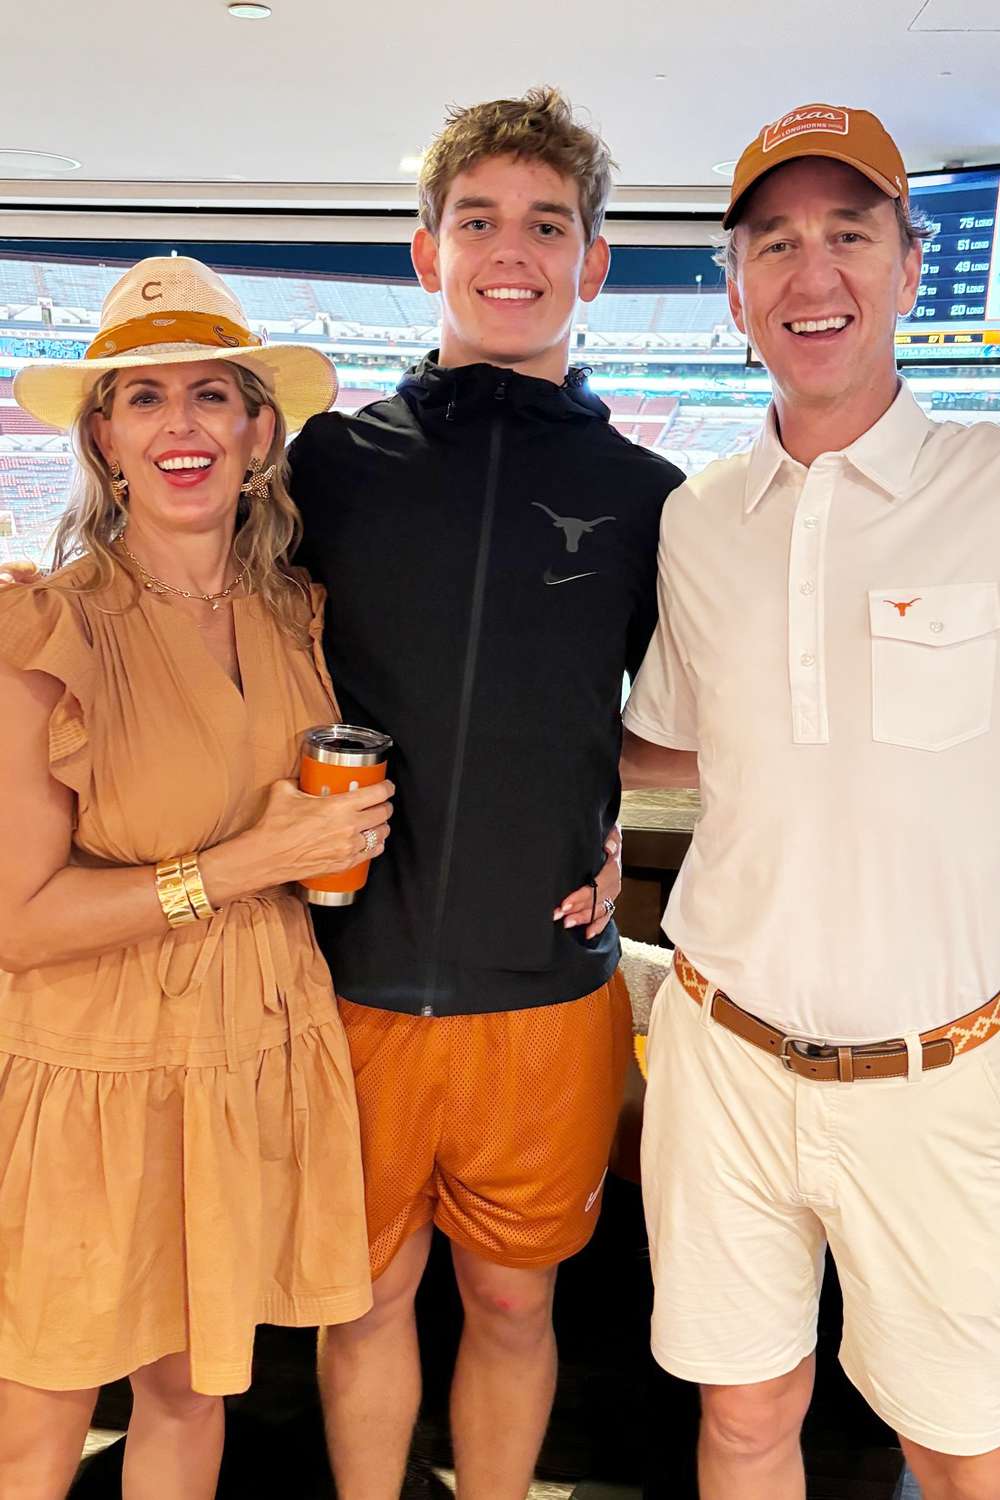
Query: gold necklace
pixel 159 586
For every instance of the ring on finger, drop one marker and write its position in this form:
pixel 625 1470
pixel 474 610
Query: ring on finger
pixel 371 840
pixel 609 907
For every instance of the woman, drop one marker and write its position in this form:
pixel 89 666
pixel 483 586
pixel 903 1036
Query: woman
pixel 178 1139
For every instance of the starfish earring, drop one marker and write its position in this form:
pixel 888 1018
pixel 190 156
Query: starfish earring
pixel 257 479
pixel 119 484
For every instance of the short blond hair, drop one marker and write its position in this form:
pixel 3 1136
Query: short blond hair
pixel 538 127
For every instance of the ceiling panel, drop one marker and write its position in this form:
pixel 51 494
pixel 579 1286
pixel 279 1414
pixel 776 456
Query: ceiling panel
pixel 958 15
pixel 323 93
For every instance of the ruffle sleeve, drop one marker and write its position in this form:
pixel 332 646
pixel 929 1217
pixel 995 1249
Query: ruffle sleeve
pixel 44 629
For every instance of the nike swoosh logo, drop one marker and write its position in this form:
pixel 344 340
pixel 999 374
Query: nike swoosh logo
pixel 551 578
pixel 593 1197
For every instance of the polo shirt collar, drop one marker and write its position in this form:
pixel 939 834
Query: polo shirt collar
pixel 766 458
pixel 885 454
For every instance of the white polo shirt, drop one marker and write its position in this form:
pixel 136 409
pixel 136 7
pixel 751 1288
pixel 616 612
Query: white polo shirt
pixel 828 644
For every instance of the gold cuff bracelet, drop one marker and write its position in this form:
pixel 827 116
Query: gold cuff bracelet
pixel 172 891
pixel 195 888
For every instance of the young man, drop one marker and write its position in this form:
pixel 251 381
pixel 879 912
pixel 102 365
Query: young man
pixel 488 543
pixel 822 1063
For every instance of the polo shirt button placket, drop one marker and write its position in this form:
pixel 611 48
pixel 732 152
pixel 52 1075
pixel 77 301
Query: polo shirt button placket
pixel 805 604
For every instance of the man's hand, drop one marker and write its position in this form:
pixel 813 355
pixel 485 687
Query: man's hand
pixel 18 571
pixel 576 909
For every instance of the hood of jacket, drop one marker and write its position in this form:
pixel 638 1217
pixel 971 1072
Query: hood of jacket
pixel 436 393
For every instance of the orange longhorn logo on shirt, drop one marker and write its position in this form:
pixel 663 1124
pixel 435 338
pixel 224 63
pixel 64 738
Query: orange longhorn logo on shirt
pixel 901 605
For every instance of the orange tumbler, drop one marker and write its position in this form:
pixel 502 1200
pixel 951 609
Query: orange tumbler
pixel 340 758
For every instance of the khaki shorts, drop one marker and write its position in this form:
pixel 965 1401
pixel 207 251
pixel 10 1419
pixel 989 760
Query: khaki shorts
pixel 748 1171
pixel 495 1127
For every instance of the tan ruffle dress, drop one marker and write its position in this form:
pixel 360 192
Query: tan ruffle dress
pixel 179 1152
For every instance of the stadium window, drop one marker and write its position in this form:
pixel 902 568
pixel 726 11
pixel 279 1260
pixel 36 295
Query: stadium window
pixel 659 345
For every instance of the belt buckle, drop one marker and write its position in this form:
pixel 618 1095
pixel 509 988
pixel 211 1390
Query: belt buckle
pixel 788 1042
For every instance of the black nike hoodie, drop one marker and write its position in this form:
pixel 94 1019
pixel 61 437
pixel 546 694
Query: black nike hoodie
pixel 488 544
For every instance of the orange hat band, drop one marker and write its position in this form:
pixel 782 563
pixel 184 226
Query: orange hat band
pixel 172 328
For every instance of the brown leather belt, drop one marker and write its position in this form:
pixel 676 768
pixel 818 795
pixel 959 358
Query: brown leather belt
pixel 830 1063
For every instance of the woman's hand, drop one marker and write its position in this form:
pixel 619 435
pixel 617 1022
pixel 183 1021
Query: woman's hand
pixel 299 836
pixel 576 909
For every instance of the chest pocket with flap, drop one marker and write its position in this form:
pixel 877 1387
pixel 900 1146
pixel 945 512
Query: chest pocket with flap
pixel 933 663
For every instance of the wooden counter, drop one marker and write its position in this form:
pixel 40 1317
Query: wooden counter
pixel 656 834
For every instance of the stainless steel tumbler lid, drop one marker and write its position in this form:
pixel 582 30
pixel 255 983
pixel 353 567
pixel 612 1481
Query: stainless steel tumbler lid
pixel 346 745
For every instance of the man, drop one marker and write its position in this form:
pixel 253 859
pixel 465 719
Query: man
pixel 828 643
pixel 488 544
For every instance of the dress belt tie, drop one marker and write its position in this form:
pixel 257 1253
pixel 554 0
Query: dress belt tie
pixel 276 971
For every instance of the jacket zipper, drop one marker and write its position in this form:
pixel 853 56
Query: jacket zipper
pixel 468 682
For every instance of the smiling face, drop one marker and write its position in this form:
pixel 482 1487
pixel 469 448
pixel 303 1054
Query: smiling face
pixel 821 277
pixel 510 261
pixel 183 437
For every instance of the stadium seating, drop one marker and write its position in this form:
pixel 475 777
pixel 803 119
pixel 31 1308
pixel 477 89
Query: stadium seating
pixel 13 419
pixel 275 299
pixel 293 300
pixel 691 426
pixel 266 299
pixel 682 313
pixel 35 487
pixel 369 304
pixel 77 285
pixel 621 312
pixel 665 409
pixel 652 312
pixel 642 419
pixel 329 300
pixel 350 398
pixel 18 283
pixel 713 431
pixel 378 304
pixel 417 308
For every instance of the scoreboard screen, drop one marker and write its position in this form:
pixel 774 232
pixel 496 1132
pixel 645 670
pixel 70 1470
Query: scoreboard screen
pixel 956 319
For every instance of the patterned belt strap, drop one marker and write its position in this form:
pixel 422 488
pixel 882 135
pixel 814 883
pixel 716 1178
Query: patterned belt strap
pixel 832 1062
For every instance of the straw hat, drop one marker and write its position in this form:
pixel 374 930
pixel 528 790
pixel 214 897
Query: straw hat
pixel 172 310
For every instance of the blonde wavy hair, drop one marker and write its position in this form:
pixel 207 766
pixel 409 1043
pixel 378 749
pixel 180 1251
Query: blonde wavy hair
pixel 539 127
pixel 267 532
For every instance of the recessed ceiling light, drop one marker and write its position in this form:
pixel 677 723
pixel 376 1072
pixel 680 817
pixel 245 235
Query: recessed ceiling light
pixel 249 12
pixel 725 169
pixel 35 161
pixel 410 163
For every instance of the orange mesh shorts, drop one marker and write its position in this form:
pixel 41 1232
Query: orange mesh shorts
pixel 497 1127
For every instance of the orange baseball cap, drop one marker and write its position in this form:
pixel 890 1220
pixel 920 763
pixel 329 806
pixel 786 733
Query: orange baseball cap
pixel 849 135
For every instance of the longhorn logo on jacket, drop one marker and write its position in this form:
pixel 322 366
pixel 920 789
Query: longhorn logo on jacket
pixel 573 528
